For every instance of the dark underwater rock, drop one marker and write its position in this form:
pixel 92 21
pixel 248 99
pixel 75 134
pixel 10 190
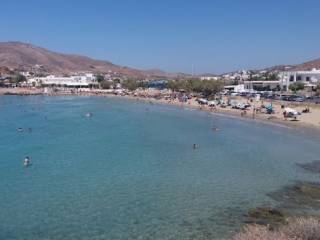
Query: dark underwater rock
pixel 312 167
pixel 298 195
pixel 266 216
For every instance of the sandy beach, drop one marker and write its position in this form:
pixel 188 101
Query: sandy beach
pixel 311 119
pixel 21 91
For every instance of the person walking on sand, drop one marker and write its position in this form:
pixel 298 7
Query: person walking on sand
pixel 285 115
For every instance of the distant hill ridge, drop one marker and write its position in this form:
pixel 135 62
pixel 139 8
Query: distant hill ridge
pixel 25 56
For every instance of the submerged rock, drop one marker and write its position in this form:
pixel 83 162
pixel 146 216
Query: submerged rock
pixel 309 190
pixel 299 195
pixel 266 216
pixel 312 167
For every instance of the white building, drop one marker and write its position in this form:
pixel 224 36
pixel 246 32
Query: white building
pixel 309 78
pixel 250 85
pixel 86 80
pixel 209 78
pixel 236 88
pixel 240 75
pixel 26 74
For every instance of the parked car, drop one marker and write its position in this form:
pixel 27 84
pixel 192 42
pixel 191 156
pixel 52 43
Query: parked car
pixel 298 99
pixel 314 99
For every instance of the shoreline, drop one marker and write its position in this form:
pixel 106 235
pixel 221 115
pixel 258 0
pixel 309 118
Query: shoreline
pixel 192 104
pixel 232 113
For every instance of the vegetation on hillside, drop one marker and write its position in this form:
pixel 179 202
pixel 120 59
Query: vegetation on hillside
pixel 267 76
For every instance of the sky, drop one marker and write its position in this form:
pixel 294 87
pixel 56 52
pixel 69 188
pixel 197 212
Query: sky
pixel 200 36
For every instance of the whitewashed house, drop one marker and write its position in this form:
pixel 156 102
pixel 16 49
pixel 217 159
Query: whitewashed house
pixel 309 78
pixel 86 80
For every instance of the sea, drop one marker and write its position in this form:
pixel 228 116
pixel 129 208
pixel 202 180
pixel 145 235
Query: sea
pixel 110 168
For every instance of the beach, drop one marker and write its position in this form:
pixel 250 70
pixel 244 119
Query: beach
pixel 310 120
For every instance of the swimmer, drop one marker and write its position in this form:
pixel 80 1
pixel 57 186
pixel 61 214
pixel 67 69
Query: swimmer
pixel 195 146
pixel 26 162
pixel 88 114
pixel 215 129
pixel 19 129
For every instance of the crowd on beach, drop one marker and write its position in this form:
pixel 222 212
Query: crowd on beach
pixel 296 114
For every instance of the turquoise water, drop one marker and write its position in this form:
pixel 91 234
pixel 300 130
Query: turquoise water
pixel 130 171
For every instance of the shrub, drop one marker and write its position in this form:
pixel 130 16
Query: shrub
pixel 296 86
pixel 105 84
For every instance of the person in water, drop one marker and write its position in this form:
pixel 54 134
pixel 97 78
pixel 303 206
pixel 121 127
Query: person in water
pixel 195 146
pixel 26 162
pixel 215 129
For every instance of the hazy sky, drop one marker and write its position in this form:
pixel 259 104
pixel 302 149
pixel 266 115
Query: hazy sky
pixel 213 35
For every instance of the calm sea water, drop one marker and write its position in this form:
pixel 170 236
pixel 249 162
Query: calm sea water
pixel 130 171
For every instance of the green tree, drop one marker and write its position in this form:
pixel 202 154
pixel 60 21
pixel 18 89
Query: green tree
pixel 105 84
pixel 296 86
pixel 18 78
pixel 318 90
pixel 100 78
pixel 130 84
pixel 211 88
pixel 272 76
pixel 195 85
pixel 173 85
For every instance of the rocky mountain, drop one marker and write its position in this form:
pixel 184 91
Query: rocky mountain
pixel 299 67
pixel 279 68
pixel 5 70
pixel 307 65
pixel 23 56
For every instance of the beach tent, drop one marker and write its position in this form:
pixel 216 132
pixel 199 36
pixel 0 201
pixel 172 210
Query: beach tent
pixel 212 103
pixel 290 112
pixel 203 101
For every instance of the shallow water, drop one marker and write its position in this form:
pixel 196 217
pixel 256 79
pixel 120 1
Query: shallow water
pixel 130 171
